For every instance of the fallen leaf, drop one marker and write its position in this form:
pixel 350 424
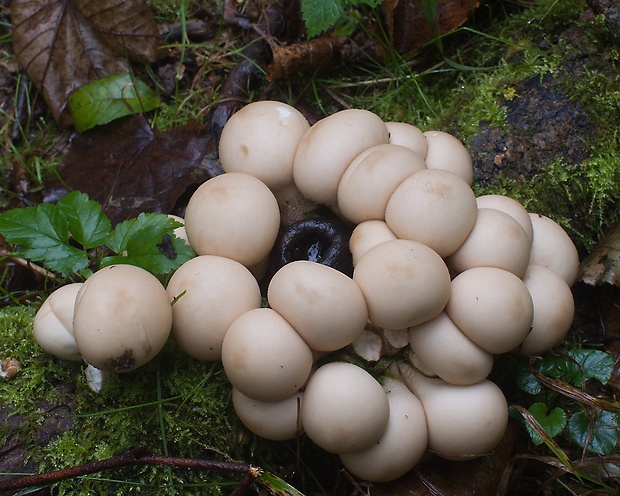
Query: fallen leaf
pixel 64 44
pixel 129 168
pixel 602 265
pixel 409 29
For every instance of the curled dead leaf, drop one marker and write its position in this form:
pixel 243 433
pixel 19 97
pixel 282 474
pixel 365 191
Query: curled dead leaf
pixel 64 44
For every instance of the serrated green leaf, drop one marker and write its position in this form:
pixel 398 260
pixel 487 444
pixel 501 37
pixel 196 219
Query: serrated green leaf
pixel 553 422
pixel 320 15
pixel 110 98
pixel 41 235
pixel 147 241
pixel 88 225
pixel 601 434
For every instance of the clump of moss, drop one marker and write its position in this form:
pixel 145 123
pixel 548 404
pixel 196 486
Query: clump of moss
pixel 173 406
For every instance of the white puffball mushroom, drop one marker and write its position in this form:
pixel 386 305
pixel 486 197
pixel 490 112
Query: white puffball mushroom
pixel 325 306
pixel 441 347
pixel 497 240
pixel 510 206
pixel 275 420
pixel 404 283
pixel 554 309
pixel 553 248
pixel 404 134
pixel 446 152
pixel 261 139
pixel 329 146
pixel 122 318
pixel 401 446
pixel 492 307
pixel 208 293
pixel 264 357
pixel 463 422
pixel 344 408
pixel 53 323
pixel 233 215
pixel 434 207
pixel 366 235
pixel 371 178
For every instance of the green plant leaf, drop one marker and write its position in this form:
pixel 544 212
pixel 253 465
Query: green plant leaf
pixel 592 364
pixel 320 15
pixel 601 433
pixel 553 422
pixel 277 486
pixel 575 367
pixel 41 234
pixel 88 225
pixel 110 98
pixel 147 241
pixel 525 379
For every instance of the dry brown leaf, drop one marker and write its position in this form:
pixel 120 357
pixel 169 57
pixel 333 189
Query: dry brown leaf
pixel 64 44
pixel 602 266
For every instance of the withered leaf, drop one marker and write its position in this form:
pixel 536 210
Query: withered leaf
pixel 130 169
pixel 64 44
pixel 602 265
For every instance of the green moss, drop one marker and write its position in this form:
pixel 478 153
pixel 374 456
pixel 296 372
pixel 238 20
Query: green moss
pixel 174 405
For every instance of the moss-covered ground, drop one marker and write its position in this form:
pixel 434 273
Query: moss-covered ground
pixel 182 407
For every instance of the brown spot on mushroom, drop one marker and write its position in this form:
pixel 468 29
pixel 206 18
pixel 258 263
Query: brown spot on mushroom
pixel 126 361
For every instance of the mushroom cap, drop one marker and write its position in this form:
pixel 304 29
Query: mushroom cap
pixel 463 422
pixel 492 307
pixel 441 347
pixel 209 292
pixel 261 139
pixel 553 248
pixel 122 318
pixel 329 146
pixel 404 134
pixel 264 357
pixel 344 408
pixel 497 240
pixel 446 152
pixel 434 207
pixel 404 283
pixel 233 215
pixel 554 309
pixel 401 446
pixel 325 307
pixel 275 420
pixel 371 178
pixel 53 323
pixel 366 235
pixel 510 206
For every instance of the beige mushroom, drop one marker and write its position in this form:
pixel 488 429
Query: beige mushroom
pixel 325 306
pixel 446 152
pixel 329 146
pixel 122 318
pixel 208 293
pixel 492 307
pixel 404 134
pixel 404 283
pixel 434 207
pixel 371 178
pixel 497 240
pixel 233 215
pixel 261 139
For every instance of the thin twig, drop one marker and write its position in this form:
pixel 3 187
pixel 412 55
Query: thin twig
pixel 135 457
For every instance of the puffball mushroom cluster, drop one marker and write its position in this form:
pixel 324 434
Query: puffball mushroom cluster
pixel 455 278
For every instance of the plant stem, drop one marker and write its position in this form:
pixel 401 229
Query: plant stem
pixel 136 457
